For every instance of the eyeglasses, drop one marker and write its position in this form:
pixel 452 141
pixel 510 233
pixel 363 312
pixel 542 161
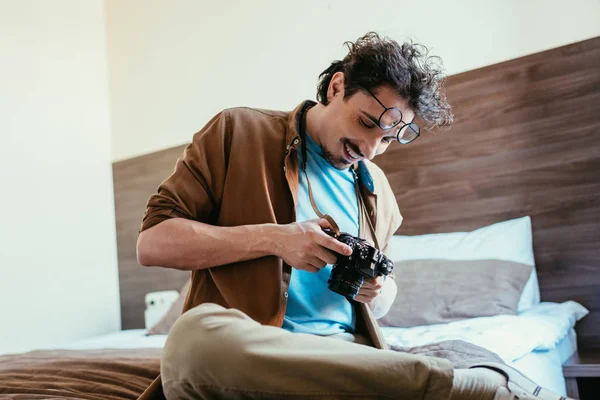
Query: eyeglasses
pixel 392 117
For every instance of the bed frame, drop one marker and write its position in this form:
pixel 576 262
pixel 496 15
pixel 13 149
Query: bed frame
pixel 526 141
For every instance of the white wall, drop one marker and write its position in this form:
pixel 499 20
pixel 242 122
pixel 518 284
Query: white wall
pixel 58 268
pixel 174 64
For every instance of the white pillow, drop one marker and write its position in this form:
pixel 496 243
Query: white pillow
pixel 508 240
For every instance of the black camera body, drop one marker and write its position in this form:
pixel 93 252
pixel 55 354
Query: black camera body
pixel 349 272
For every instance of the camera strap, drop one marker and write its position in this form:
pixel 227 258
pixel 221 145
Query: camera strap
pixel 364 207
pixel 334 226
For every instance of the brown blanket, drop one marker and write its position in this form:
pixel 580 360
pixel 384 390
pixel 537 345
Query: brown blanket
pixel 78 374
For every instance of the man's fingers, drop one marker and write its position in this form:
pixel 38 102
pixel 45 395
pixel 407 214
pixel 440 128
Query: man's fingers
pixel 370 293
pixel 324 224
pixel 373 283
pixel 316 261
pixel 326 255
pixel 330 242
pixel 335 245
pixel 363 299
pixel 311 268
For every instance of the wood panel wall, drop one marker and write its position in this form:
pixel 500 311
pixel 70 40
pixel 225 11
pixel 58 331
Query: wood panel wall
pixel 526 141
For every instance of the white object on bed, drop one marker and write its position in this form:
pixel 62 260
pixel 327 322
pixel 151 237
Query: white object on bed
pixel 541 327
pixel 545 367
pixel 157 305
pixel 508 240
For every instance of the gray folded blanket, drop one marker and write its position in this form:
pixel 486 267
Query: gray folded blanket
pixel 460 353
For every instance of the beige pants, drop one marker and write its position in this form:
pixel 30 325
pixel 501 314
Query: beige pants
pixel 218 353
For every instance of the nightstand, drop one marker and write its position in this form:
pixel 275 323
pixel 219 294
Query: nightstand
pixel 582 374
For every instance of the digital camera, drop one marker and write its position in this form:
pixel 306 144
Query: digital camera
pixel 349 272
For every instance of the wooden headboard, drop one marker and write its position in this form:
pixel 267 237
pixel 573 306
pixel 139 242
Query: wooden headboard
pixel 526 141
pixel 135 180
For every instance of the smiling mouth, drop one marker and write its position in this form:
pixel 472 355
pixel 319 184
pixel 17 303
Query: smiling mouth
pixel 351 154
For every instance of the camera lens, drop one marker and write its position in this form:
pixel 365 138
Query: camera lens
pixel 345 281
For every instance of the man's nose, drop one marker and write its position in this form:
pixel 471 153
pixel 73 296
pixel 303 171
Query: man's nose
pixel 370 147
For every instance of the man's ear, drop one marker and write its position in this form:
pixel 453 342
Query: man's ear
pixel 336 86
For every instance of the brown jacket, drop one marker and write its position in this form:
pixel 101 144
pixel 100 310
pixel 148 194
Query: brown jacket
pixel 242 169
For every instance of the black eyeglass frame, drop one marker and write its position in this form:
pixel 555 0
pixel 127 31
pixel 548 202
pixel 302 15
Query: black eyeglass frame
pixel 410 125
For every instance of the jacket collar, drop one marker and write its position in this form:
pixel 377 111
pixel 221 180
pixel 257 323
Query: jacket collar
pixel 293 139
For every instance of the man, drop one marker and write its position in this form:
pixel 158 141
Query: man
pixel 244 211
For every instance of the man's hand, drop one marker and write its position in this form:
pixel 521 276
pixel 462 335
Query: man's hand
pixel 370 289
pixel 305 246
pixel 379 294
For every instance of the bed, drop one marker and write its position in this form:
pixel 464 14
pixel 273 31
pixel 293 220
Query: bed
pixel 524 143
pixel 122 364
pixel 533 336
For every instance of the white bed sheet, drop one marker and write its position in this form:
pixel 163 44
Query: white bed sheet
pixel 543 366
pixel 127 339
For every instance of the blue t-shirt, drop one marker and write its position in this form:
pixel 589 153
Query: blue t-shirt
pixel 312 307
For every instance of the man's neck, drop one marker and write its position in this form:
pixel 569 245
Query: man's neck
pixel 313 122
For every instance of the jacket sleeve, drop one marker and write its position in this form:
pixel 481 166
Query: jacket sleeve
pixel 393 216
pixel 195 188
pixel 395 222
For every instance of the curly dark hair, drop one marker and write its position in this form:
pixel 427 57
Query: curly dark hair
pixel 373 61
